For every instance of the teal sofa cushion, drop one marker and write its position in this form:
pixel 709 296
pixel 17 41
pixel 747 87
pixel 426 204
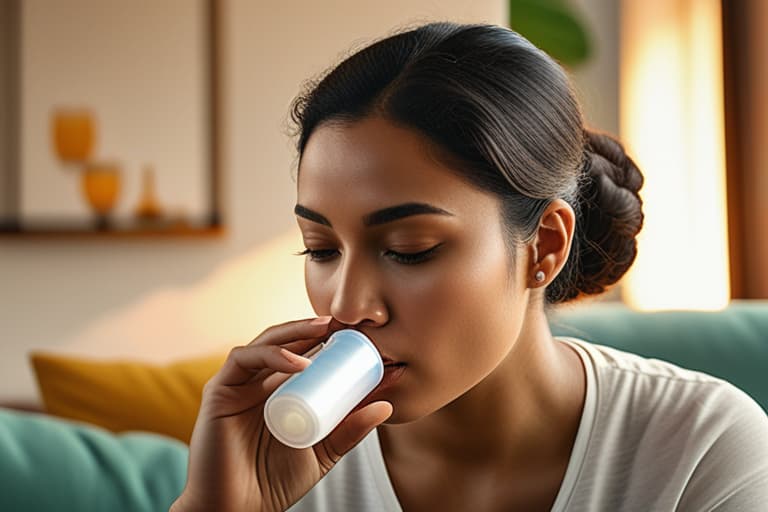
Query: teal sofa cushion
pixel 731 344
pixel 52 464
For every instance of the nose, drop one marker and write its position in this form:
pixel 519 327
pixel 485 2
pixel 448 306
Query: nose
pixel 357 297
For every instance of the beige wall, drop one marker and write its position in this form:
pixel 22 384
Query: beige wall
pixel 58 294
pixel 146 94
pixel 597 79
pixel 164 298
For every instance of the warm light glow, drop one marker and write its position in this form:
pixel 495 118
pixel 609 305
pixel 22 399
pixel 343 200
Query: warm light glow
pixel 672 124
pixel 232 305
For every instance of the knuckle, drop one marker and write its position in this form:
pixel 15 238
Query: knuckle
pixel 207 387
pixel 264 333
pixel 235 352
pixel 327 456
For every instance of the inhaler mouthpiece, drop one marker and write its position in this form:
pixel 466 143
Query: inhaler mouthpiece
pixel 310 404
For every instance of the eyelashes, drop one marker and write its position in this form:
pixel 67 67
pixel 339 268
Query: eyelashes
pixel 317 254
pixel 404 258
pixel 412 258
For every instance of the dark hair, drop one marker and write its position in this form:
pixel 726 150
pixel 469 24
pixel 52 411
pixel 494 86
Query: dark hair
pixel 506 118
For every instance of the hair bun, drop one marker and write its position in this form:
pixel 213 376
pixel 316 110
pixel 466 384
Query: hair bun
pixel 609 218
pixel 608 158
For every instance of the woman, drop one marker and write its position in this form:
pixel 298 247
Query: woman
pixel 448 193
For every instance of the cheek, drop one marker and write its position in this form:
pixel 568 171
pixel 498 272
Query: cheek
pixel 319 286
pixel 466 318
pixel 458 320
pixel 471 301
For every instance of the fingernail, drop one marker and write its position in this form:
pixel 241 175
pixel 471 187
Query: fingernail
pixel 295 359
pixel 321 320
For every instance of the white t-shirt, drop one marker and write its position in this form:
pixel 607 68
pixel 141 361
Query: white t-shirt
pixel 652 437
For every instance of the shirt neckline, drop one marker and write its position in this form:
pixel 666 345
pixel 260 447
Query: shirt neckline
pixel 586 425
pixel 386 491
pixel 380 475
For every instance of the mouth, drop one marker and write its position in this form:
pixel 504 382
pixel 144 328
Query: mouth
pixel 389 363
pixel 393 371
pixel 392 368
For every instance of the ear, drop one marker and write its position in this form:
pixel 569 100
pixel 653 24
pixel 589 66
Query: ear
pixel 552 243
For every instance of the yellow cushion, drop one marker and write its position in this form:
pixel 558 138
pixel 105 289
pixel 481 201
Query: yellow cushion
pixel 125 395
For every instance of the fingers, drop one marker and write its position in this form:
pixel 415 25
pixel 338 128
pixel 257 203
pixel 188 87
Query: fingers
pixel 257 389
pixel 245 362
pixel 305 348
pixel 264 353
pixel 351 431
pixel 271 382
pixel 293 331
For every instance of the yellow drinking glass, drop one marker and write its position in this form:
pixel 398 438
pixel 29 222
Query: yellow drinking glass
pixel 101 188
pixel 74 134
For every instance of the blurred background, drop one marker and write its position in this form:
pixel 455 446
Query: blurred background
pixel 146 188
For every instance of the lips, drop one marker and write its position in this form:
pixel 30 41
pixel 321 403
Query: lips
pixel 393 370
pixel 392 373
pixel 388 361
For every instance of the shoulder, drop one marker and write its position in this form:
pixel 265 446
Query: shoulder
pixel 663 394
pixel 695 439
pixel 625 376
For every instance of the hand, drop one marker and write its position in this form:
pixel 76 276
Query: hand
pixel 234 461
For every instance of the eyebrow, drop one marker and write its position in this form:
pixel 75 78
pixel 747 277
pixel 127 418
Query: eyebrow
pixel 378 217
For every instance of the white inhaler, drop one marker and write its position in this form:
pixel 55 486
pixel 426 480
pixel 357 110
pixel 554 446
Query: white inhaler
pixel 310 404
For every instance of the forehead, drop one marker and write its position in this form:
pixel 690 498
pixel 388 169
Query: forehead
pixel 376 162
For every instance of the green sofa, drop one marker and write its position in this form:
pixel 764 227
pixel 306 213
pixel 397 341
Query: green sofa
pixel 51 464
pixel 731 344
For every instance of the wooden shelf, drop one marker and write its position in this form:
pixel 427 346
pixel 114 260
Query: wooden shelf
pixel 119 232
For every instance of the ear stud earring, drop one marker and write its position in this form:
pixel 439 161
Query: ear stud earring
pixel 539 276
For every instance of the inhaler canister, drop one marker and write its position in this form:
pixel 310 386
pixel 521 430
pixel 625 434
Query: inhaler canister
pixel 310 404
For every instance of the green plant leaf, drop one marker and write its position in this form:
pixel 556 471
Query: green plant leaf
pixel 552 26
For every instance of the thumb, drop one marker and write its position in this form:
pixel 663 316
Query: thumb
pixel 351 431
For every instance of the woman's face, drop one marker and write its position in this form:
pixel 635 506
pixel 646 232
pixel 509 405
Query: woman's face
pixel 408 253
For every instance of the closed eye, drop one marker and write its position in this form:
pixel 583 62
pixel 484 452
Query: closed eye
pixel 412 258
pixel 405 258
pixel 318 254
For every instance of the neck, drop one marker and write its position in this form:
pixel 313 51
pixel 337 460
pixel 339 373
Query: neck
pixel 527 409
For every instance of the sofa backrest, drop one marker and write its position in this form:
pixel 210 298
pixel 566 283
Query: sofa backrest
pixel 731 344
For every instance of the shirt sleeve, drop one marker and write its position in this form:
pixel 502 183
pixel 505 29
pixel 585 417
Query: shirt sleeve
pixel 732 474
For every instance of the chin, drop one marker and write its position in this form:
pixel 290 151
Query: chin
pixel 405 413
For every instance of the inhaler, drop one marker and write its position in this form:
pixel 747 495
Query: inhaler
pixel 310 404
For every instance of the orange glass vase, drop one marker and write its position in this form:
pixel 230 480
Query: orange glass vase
pixel 74 134
pixel 101 189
